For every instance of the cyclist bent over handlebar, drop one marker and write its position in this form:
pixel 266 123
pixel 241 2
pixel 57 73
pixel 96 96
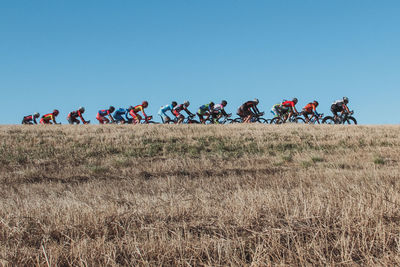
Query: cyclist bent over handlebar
pixel 247 110
pixel 177 109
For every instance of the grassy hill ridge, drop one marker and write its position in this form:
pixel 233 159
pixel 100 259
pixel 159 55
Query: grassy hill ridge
pixel 194 194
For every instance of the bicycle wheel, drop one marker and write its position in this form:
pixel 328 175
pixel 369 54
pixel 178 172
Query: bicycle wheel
pixel 276 120
pixel 192 122
pixel 350 120
pixel 262 120
pixel 328 120
pixel 237 120
pixel 299 120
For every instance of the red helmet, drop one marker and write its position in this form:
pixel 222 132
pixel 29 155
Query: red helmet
pixel 145 104
pixel 55 112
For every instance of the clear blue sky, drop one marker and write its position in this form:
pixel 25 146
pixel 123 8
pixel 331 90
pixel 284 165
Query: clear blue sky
pixel 66 54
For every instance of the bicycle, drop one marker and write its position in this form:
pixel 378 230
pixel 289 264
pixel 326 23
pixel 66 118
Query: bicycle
pixel 144 121
pixel 295 118
pixel 187 120
pixel 222 120
pixel 315 119
pixel 344 118
pixel 255 118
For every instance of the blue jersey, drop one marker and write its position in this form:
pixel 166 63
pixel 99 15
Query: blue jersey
pixel 165 109
pixel 120 111
pixel 205 107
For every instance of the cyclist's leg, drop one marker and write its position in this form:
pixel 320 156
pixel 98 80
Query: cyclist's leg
pixel 334 112
pixel 138 118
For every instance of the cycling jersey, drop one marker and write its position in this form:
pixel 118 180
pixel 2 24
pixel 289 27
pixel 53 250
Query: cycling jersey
pixel 310 108
pixel 118 114
pixel 276 110
pixel 134 112
pixel 204 108
pixel 179 108
pixel 248 105
pixel 120 111
pixel 219 108
pixel 288 104
pixel 104 112
pixel 165 109
pixel 73 117
pixel 339 104
pixel 47 118
pixel 29 119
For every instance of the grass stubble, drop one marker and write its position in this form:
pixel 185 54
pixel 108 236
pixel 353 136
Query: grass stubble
pixel 199 195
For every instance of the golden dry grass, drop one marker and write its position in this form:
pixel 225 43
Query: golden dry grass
pixel 199 195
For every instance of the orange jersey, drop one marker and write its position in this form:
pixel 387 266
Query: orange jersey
pixel 310 107
pixel 48 117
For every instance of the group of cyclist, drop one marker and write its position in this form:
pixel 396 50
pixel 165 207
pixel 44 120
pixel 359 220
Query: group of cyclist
pixel 209 111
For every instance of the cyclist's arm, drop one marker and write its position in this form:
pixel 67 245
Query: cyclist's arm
pixel 80 115
pixel 294 109
pixel 34 120
pixel 224 112
pixel 144 114
pixel 346 108
pixel 255 109
pixel 110 116
pixel 54 119
pixel 188 112
pixel 126 115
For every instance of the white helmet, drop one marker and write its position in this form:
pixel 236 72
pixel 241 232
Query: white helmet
pixel 256 100
pixel 81 109
pixel 186 103
pixel 36 115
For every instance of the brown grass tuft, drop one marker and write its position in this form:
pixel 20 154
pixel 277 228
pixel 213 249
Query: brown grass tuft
pixel 199 195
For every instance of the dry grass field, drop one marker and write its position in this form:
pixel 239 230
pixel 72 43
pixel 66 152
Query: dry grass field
pixel 236 195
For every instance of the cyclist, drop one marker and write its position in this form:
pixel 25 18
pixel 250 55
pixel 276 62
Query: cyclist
pixel 248 109
pixel 134 112
pixel 118 115
pixel 164 109
pixel 177 109
pixel 73 116
pixel 310 109
pixel 205 110
pixel 340 106
pixel 102 115
pixel 31 119
pixel 219 111
pixel 288 108
pixel 276 110
pixel 46 119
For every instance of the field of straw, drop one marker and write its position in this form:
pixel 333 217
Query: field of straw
pixel 199 195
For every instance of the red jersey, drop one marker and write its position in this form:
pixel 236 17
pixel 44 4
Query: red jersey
pixel 288 104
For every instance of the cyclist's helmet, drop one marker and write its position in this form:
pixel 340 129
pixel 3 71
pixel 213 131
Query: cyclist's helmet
pixel 145 104
pixel 130 108
pixel 55 112
pixel 256 100
pixel 81 109
pixel 36 115
pixel 295 100
pixel 345 100
pixel 211 104
pixel 111 109
pixel 174 104
pixel 224 103
pixel 316 103
pixel 186 103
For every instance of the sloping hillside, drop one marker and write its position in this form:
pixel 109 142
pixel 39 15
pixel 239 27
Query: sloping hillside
pixel 213 195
